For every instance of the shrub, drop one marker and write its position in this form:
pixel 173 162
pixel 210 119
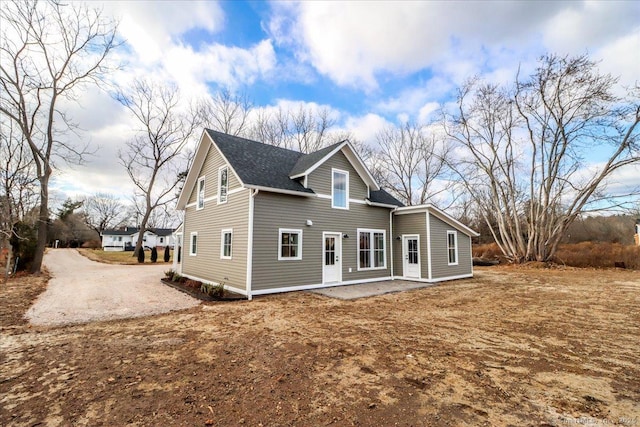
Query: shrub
pixel 176 277
pixel 141 255
pixel 195 284
pixel 167 254
pixel 92 244
pixel 213 290
pixel 23 242
pixel 169 274
pixel 154 254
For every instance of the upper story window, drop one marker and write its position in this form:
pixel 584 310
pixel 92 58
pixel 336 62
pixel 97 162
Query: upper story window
pixel 452 247
pixel 200 195
pixel 223 184
pixel 339 189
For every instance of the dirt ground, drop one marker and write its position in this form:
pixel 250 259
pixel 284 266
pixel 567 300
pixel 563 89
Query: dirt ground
pixel 511 347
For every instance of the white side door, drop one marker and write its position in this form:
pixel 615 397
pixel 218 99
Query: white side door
pixel 331 257
pixel 411 256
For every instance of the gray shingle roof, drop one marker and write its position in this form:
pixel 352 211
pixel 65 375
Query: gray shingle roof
pixel 383 197
pixel 307 160
pixel 259 164
pixel 132 230
pixel 268 166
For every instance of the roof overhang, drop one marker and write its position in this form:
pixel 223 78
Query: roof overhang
pixel 438 213
pixel 205 143
pixel 280 190
pixel 353 158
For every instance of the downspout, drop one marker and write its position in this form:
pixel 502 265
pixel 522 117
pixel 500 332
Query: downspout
pixel 391 211
pixel 252 194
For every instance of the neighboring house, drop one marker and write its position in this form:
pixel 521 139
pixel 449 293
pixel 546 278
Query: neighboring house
pixel 263 219
pixel 636 237
pixel 126 238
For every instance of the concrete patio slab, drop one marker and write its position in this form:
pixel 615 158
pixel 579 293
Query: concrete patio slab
pixel 365 290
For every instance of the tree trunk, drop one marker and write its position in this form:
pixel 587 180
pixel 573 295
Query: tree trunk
pixel 43 221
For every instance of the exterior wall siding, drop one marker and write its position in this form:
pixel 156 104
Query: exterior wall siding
pixel 439 255
pixel 415 223
pixel 320 179
pixel 209 170
pixel 273 211
pixel 208 223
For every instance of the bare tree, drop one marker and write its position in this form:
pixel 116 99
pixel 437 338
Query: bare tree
pixel 18 185
pixel 526 149
pixel 305 130
pixel 153 158
pixel 225 112
pixel 48 51
pixel 102 211
pixel 412 162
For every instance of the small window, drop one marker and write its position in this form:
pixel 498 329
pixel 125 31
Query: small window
pixel 193 247
pixel 200 196
pixel 371 249
pixel 452 247
pixel 119 238
pixel 226 237
pixel 162 240
pixel 223 184
pixel 339 189
pixel 289 244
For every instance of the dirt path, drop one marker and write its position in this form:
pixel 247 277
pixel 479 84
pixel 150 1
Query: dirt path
pixel 81 290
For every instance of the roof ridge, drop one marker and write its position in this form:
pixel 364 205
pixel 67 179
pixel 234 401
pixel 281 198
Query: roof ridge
pixel 253 141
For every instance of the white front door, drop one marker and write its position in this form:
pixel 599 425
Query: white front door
pixel 411 256
pixel 332 258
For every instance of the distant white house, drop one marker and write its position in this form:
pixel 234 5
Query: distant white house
pixel 636 237
pixel 125 238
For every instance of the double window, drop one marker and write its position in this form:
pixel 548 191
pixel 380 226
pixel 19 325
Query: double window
pixel 371 249
pixel 226 237
pixel 223 184
pixel 289 244
pixel 452 247
pixel 339 189
pixel 200 195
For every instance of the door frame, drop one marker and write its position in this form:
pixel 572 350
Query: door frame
pixel 338 250
pixel 405 259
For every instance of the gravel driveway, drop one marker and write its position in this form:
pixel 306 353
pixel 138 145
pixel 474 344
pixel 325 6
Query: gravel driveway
pixel 81 290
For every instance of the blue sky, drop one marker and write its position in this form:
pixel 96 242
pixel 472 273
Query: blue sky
pixel 371 63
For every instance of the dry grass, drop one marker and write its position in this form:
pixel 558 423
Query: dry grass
pixel 121 258
pixel 585 254
pixel 17 295
pixel 510 347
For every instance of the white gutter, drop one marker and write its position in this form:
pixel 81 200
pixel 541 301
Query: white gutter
pixel 252 194
pixel 279 190
pixel 380 205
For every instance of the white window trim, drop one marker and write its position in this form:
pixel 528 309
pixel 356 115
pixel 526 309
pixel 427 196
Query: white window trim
pixel 198 199
pixel 289 230
pixel 220 169
pixel 191 253
pixel 222 233
pixel 346 173
pixel 371 249
pixel 455 237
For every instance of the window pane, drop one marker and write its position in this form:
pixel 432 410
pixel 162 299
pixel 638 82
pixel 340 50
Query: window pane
pixel 223 185
pixel 364 250
pixel 339 189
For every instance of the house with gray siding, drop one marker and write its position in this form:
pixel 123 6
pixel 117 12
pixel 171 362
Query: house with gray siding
pixel 262 219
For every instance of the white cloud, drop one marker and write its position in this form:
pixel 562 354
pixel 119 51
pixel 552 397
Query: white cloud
pixel 224 65
pixel 365 128
pixel 149 28
pixel 356 43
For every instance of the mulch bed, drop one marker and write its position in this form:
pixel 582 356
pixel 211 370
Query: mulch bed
pixel 228 296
